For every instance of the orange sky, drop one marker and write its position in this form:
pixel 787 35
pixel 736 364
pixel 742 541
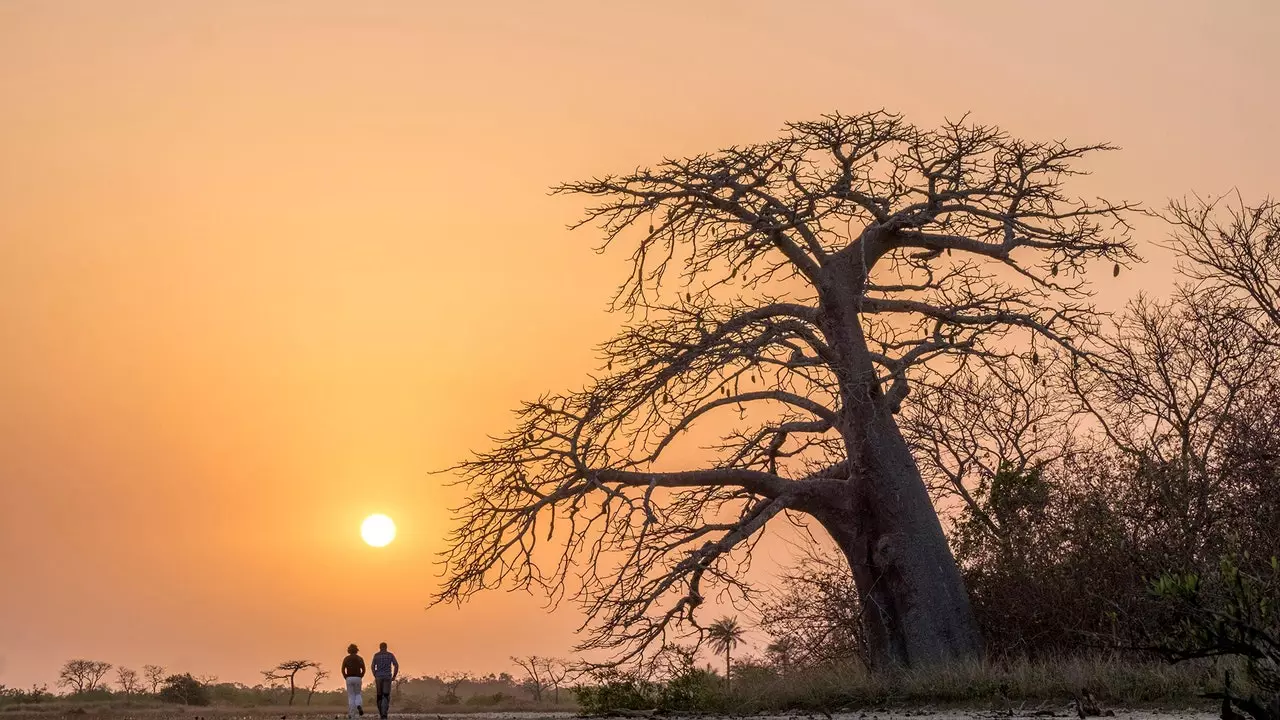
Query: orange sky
pixel 264 264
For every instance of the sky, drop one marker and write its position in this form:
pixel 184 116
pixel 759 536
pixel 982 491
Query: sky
pixel 265 265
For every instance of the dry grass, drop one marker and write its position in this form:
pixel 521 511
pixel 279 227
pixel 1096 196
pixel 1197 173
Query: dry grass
pixel 1024 684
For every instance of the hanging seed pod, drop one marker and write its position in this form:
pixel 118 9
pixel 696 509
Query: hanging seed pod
pixel 651 229
pixel 608 365
pixel 1054 271
pixel 688 296
pixel 1115 272
pixel 1035 358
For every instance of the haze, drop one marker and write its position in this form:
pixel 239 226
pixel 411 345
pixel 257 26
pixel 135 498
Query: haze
pixel 264 265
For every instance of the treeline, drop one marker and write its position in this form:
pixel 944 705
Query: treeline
pixel 541 680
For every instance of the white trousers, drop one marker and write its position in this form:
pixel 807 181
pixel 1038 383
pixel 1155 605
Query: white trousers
pixel 353 695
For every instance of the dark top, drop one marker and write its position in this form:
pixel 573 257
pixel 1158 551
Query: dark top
pixel 352 666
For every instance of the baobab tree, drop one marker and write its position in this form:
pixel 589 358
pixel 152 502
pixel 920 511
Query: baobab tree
pixel 808 286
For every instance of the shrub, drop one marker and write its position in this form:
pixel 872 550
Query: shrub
pixel 185 690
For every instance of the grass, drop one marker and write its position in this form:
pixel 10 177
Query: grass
pixel 1019 685
pixel 1001 685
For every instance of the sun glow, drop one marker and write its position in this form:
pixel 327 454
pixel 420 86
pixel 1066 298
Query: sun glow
pixel 378 530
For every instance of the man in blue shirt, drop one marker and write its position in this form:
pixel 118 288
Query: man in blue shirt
pixel 385 669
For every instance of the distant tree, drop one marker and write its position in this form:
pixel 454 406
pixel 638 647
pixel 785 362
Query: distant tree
pixel 781 653
pixel 154 675
pixel 128 680
pixel 319 677
pixel 185 690
pixel 83 675
pixel 535 680
pixel 288 670
pixel 452 681
pixel 557 672
pixel 724 635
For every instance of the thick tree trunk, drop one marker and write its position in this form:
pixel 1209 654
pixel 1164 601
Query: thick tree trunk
pixel 915 607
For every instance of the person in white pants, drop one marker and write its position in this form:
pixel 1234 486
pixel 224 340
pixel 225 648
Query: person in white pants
pixel 353 671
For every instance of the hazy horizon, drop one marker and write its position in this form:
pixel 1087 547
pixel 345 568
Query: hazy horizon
pixel 265 265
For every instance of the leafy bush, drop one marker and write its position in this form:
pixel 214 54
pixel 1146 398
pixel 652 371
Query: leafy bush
pixel 1232 612
pixel 185 690
pixel 615 690
pixel 37 693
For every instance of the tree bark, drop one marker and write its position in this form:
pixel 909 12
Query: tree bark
pixel 915 607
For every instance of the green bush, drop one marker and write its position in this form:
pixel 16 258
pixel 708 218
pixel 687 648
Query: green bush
pixel 615 690
pixel 1234 612
pixel 185 690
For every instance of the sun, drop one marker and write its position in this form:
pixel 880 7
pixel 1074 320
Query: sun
pixel 378 530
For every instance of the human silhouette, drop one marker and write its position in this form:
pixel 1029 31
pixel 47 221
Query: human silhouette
pixel 353 671
pixel 385 669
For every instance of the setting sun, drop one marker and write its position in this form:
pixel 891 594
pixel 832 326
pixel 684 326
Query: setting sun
pixel 378 530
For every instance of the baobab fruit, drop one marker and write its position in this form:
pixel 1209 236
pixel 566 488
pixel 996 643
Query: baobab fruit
pixel 1115 272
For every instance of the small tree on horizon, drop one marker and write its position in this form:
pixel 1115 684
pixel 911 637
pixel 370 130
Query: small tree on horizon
pixel 288 670
pixel 128 680
pixel 320 677
pixel 83 675
pixel 155 676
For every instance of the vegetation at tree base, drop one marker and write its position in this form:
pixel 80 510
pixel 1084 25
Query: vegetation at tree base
pixel 1046 683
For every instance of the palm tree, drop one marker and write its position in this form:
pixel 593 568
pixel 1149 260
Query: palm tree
pixel 725 634
pixel 780 652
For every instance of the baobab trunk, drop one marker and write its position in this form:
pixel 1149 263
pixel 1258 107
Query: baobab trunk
pixel 915 607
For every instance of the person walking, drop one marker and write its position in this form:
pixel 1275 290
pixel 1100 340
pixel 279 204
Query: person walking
pixel 353 671
pixel 385 669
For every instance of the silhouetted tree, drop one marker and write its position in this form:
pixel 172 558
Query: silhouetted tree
pixel 154 675
pixel 452 681
pixel 319 677
pixel 724 635
pixel 1232 245
pixel 822 276
pixel 128 680
pixel 83 675
pixel 535 680
pixel 288 670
